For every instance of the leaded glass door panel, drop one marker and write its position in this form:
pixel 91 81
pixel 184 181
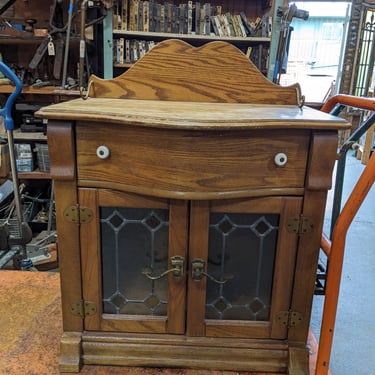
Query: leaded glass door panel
pixel 242 267
pixel 137 261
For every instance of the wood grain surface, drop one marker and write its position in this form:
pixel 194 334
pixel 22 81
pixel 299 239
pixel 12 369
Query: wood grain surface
pixel 215 72
pixel 187 115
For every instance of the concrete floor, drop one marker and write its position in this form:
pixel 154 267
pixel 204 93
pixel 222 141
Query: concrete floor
pixel 353 349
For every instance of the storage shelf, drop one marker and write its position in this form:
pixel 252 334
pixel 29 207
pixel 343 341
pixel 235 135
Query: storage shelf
pixel 189 37
pixel 25 136
pixel 34 175
pixel 27 39
pixel 125 65
pixel 46 90
pixel 28 137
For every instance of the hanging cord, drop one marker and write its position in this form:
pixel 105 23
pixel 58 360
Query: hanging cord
pixel 85 94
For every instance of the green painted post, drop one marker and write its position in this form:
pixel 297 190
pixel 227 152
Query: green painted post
pixel 108 46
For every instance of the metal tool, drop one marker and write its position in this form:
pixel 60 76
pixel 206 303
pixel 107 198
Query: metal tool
pixel 57 27
pixel 287 16
pixel 83 54
pixel 82 47
pixel 66 55
pixel 25 233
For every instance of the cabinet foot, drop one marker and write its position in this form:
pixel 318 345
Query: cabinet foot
pixel 298 361
pixel 70 352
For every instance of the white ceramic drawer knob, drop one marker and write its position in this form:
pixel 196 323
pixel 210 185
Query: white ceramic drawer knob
pixel 102 152
pixel 280 159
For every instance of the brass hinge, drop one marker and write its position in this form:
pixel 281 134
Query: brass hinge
pixel 83 309
pixel 289 318
pixel 300 224
pixel 78 215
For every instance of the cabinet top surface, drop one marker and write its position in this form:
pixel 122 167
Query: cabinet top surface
pixel 191 115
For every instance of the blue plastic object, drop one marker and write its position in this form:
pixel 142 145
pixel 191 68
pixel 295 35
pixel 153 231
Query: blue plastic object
pixel 6 112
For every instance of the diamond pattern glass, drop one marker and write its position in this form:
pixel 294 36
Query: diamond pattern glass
pixel 134 240
pixel 242 249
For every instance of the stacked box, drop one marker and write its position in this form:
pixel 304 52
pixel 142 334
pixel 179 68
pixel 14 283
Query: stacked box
pixel 42 157
pixel 24 157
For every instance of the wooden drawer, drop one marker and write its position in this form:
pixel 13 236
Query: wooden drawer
pixel 190 163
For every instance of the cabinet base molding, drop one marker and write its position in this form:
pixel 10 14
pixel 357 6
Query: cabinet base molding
pixel 172 351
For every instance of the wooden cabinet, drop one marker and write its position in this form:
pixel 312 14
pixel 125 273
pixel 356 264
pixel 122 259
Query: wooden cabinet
pixel 189 230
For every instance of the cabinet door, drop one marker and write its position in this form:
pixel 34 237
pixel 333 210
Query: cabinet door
pixel 133 261
pixel 242 258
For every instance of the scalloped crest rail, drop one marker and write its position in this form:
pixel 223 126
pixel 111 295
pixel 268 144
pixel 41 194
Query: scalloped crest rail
pixel 215 72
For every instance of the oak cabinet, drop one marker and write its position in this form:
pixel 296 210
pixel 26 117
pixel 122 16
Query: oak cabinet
pixel 188 230
pixel 203 252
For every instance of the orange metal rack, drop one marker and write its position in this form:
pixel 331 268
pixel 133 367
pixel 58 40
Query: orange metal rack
pixel 334 247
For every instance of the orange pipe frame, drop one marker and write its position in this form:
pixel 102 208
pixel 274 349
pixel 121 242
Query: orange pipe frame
pixel 349 100
pixel 336 257
pixel 325 244
pixel 334 249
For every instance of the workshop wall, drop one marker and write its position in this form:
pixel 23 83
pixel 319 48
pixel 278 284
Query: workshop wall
pixel 38 19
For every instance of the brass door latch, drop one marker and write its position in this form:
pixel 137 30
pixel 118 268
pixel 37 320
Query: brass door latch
pixel 177 269
pixel 197 272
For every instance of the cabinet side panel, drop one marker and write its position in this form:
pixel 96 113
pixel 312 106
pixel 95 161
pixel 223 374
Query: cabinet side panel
pixel 69 255
pixel 61 149
pixel 319 176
